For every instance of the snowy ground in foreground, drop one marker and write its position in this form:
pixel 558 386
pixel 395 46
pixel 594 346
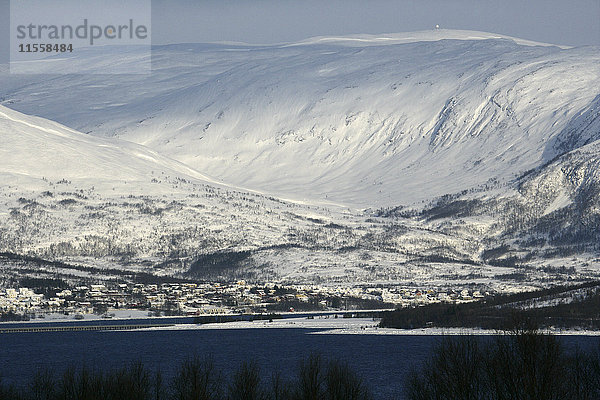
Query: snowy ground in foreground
pixel 356 324
pixel 115 314
pixel 349 326
pixel 326 325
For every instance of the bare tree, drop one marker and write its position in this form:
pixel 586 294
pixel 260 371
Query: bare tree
pixel 245 384
pixel 198 379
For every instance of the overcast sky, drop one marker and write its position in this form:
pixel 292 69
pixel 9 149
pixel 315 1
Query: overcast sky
pixel 570 22
pixel 567 22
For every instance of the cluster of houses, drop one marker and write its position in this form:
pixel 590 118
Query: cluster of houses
pixel 217 298
pixel 20 301
pixel 409 297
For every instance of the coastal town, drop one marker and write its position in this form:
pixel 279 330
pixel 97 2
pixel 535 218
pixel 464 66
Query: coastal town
pixel 174 299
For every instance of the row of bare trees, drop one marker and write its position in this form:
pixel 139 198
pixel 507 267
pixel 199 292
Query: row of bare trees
pixel 197 379
pixel 523 365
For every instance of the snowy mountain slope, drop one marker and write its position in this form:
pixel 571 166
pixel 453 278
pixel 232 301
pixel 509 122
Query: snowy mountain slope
pixel 550 217
pixel 101 203
pixel 34 147
pixel 167 225
pixel 545 226
pixel 583 129
pixel 565 198
pixel 106 203
pixel 362 120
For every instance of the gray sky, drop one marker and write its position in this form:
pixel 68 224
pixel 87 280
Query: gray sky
pixel 573 22
pixel 570 22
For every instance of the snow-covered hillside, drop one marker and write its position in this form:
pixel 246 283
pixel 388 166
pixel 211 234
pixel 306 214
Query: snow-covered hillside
pixel 291 162
pixel 38 148
pixel 548 221
pixel 106 203
pixel 360 120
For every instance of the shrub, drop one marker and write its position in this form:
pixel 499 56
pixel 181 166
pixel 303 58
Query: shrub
pixel 311 378
pixel 245 384
pixel 342 383
pixel 454 372
pixel 524 364
pixel 197 379
pixel 131 383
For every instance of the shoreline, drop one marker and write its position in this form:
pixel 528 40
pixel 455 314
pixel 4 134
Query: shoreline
pixel 319 324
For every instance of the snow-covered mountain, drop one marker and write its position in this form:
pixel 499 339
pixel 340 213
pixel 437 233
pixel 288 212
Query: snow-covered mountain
pixel 361 120
pixel 437 157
